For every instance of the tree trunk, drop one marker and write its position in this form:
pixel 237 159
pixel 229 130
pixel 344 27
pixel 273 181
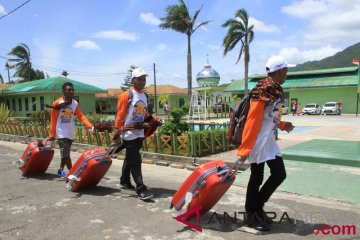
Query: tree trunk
pixel 189 69
pixel 246 63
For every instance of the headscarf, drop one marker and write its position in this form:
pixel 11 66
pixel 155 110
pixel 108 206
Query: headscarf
pixel 267 90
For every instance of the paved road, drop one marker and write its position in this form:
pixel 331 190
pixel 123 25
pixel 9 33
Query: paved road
pixel 41 208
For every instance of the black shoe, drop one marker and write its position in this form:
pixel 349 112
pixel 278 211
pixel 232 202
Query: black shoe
pixel 264 217
pixel 145 194
pixel 127 185
pixel 254 221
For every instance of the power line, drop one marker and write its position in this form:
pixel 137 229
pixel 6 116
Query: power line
pixel 14 9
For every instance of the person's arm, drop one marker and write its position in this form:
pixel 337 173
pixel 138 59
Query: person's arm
pixel 121 110
pixel 53 119
pixel 82 118
pixel 252 127
pixel 286 126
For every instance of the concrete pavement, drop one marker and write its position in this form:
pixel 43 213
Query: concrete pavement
pixel 41 208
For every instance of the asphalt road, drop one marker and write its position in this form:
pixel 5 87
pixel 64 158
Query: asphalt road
pixel 41 207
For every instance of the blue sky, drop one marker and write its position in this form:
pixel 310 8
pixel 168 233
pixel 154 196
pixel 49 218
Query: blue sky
pixel 96 41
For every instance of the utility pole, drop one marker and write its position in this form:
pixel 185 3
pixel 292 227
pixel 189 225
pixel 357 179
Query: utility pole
pixel 155 101
pixel 357 62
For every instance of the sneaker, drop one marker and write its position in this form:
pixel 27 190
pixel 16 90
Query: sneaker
pixel 127 185
pixel 145 194
pixel 61 173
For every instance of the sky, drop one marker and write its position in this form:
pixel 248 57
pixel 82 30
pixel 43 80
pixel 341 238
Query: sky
pixel 97 41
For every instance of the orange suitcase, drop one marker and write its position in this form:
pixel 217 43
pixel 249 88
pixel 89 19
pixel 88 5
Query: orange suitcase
pixel 207 184
pixel 89 169
pixel 36 157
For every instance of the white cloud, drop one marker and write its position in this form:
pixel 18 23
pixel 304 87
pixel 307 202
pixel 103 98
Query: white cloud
pixel 2 10
pixel 260 26
pixel 329 21
pixel 86 44
pixel 117 35
pixel 305 8
pixel 294 55
pixel 149 19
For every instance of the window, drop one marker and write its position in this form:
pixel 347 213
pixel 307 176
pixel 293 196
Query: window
pixel 26 104
pixel 13 104
pixel 181 102
pixel 33 103
pixel 8 103
pixel 161 105
pixel 20 104
pixel 42 103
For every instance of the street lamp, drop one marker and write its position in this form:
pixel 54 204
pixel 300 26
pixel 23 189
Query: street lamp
pixel 357 62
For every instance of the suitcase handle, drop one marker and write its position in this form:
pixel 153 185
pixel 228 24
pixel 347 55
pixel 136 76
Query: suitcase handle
pixel 238 163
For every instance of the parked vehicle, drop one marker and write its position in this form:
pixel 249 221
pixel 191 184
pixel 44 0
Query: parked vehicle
pixel 222 107
pixel 312 108
pixel 284 109
pixel 330 108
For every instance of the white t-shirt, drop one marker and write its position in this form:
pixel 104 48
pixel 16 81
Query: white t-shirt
pixel 136 113
pixel 65 127
pixel 266 147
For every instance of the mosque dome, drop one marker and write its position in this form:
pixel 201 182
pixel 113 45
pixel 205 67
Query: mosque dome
pixel 208 76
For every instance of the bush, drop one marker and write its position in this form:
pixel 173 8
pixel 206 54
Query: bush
pixel 41 118
pixel 174 125
pixel 5 113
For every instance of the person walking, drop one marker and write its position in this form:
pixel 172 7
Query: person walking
pixel 62 124
pixel 259 145
pixel 293 107
pixel 130 125
pixel 298 109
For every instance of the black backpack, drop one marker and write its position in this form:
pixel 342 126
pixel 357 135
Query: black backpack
pixel 237 121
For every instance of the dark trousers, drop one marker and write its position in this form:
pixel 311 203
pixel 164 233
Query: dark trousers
pixel 132 163
pixel 256 197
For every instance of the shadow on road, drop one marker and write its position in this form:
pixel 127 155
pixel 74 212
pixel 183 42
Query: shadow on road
pixel 97 191
pixel 42 176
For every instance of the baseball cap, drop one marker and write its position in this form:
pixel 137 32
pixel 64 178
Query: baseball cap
pixel 138 72
pixel 275 63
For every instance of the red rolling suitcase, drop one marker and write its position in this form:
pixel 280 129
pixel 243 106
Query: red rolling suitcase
pixel 36 157
pixel 89 169
pixel 207 184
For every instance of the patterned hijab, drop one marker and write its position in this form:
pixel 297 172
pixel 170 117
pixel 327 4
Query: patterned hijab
pixel 267 90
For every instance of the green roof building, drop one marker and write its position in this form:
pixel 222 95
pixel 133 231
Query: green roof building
pixel 317 86
pixel 30 97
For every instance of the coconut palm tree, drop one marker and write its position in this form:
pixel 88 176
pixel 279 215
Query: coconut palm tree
pixel 178 19
pixel 22 62
pixel 239 31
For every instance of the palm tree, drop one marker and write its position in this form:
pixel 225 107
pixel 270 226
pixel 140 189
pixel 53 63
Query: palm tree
pixel 22 62
pixel 239 31
pixel 178 19
pixel 1 79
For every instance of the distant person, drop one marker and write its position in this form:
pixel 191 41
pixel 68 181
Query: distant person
pixel 293 107
pixel 259 145
pixel 298 109
pixel 166 109
pixel 62 124
pixel 130 124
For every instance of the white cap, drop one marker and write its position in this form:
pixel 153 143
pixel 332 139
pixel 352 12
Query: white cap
pixel 138 72
pixel 275 63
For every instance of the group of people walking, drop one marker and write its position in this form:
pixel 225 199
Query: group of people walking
pixel 258 145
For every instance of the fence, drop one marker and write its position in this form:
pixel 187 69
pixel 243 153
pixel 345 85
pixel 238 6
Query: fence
pixel 192 144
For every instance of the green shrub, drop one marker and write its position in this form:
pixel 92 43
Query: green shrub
pixel 40 118
pixel 5 113
pixel 174 125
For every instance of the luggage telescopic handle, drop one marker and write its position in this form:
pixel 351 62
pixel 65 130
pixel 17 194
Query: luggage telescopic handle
pixel 238 163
